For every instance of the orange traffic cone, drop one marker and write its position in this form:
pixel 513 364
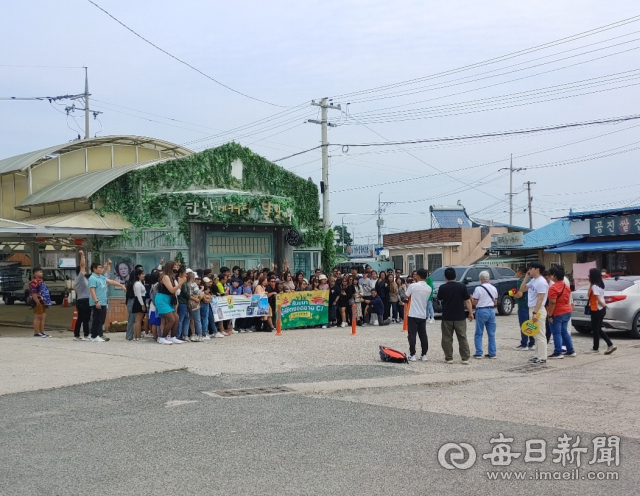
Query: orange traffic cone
pixel 65 302
pixel 75 318
pixel 405 321
pixel 279 323
pixel 354 319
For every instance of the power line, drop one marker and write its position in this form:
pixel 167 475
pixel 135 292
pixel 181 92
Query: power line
pixel 501 58
pixel 182 61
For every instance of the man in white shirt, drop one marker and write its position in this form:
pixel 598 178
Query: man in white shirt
pixel 419 293
pixel 537 288
pixel 367 285
pixel 485 298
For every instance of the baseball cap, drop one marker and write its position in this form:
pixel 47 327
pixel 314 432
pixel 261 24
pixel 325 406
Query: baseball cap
pixel 206 279
pixel 322 276
pixel 189 271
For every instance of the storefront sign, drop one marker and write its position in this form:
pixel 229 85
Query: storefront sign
pixel 615 226
pixel 360 251
pixel 240 306
pixel 207 208
pixel 67 263
pixel 303 308
pixel 508 239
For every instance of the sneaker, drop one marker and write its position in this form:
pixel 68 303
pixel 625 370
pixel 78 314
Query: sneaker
pixel 324 326
pixel 344 324
pixel 164 341
pixel 175 340
pixel 218 335
pixel 477 356
pixel 595 352
pixel 572 354
pixel 465 362
pixel 86 338
pixel 611 349
pixel 226 333
pixel 411 358
pixel 449 362
pixel 533 359
pixel 423 358
pixel 77 338
pixel 40 335
pixel 104 338
pixel 195 339
pixel 521 348
pixel 233 331
pixel 490 356
pixel 97 339
pixel 206 337
pixel 532 348
pixel 248 330
pixel 540 361
pixel 556 355
pixel 375 323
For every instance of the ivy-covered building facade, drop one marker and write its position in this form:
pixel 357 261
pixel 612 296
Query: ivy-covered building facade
pixel 138 200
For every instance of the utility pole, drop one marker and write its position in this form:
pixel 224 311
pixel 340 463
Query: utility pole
pixel 511 195
pixel 324 185
pixel 86 103
pixel 382 206
pixel 529 183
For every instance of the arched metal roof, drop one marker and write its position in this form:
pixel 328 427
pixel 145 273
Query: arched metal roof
pixel 81 187
pixel 26 160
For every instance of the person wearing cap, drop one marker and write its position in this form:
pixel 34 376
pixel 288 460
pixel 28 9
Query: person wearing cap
pixel 324 284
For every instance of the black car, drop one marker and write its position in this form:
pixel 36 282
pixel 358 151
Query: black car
pixel 503 278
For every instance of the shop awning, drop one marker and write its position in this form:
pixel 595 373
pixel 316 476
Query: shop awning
pixel 622 245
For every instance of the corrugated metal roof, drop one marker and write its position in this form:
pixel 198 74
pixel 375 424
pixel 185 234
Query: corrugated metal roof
pixel 598 213
pixel 554 234
pixel 450 218
pixel 618 245
pixel 83 186
pixel 21 162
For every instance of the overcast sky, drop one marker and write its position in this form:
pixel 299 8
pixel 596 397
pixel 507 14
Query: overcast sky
pixel 288 53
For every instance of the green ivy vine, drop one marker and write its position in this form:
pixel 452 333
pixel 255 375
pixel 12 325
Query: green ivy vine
pixel 144 198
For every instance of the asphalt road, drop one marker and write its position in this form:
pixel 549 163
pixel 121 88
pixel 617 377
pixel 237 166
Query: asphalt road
pixel 161 434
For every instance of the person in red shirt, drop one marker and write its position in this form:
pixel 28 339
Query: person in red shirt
pixel 559 314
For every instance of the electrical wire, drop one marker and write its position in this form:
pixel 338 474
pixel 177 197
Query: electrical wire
pixel 183 62
pixel 494 60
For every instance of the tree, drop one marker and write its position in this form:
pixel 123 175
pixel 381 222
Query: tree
pixel 344 237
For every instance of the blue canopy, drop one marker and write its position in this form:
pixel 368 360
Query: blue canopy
pixel 618 245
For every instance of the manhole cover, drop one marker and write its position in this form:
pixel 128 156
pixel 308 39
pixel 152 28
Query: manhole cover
pixel 238 393
pixel 526 369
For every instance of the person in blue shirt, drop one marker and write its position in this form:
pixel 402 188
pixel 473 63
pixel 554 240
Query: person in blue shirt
pixel 376 305
pixel 98 299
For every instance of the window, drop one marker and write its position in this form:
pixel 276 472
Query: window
pixel 316 261
pixel 434 261
pixel 473 274
pixel 398 262
pixel 302 261
pixel 419 262
pixel 411 264
pixel 504 272
pixel 240 244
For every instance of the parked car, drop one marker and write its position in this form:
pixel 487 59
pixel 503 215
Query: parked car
pixel 622 296
pixel 18 290
pixel 503 278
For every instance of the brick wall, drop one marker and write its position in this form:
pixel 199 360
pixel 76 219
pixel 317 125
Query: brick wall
pixel 420 237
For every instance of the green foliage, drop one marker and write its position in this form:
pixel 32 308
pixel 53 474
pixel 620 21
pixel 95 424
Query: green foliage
pixel 344 236
pixel 143 196
pixel 328 251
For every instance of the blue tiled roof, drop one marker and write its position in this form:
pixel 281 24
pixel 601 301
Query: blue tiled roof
pixel 451 218
pixel 595 213
pixel 554 234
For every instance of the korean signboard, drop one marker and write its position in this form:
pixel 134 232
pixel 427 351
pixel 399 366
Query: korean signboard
pixel 615 226
pixel 507 239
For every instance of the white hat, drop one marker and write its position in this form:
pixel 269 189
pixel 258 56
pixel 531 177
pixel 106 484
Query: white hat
pixel 322 276
pixel 206 279
pixel 189 271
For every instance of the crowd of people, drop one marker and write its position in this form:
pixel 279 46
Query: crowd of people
pixel 171 305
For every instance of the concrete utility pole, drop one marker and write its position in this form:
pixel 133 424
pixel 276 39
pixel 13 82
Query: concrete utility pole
pixel 511 195
pixel 86 103
pixel 324 185
pixel 529 183
pixel 382 206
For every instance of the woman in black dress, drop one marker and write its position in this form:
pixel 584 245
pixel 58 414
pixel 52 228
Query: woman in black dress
pixel 382 287
pixel 346 293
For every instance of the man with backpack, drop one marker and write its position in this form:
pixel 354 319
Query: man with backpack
pixel 485 298
pixel 419 293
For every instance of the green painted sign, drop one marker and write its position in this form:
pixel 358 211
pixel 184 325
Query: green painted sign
pixel 303 308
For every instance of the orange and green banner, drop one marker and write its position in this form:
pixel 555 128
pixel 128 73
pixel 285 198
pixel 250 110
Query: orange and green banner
pixel 303 308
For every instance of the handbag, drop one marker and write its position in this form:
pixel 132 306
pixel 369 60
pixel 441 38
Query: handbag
pixel 587 307
pixel 193 305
